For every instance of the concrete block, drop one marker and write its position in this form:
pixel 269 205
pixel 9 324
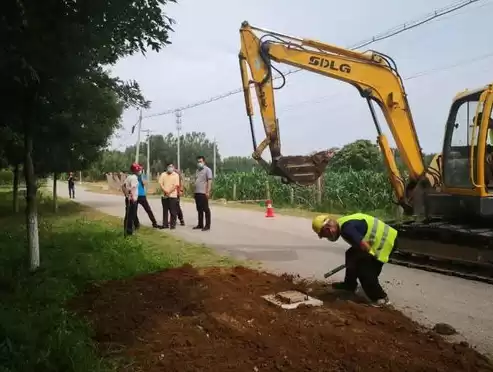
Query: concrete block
pixel 292 299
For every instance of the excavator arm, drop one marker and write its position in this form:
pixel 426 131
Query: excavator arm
pixel 373 74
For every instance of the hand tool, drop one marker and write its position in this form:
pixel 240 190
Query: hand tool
pixel 334 271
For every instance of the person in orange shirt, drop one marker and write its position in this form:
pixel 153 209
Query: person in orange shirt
pixel 169 182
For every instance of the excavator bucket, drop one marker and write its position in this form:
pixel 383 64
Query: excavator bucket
pixel 302 170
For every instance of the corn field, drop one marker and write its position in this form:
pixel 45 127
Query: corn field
pixel 339 192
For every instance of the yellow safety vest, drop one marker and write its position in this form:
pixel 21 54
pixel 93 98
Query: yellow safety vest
pixel 380 236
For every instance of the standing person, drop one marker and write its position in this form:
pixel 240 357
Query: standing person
pixel 372 242
pixel 169 182
pixel 71 186
pixel 142 198
pixel 181 190
pixel 130 190
pixel 203 186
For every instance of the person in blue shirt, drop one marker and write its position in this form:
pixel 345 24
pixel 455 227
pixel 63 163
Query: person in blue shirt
pixel 142 199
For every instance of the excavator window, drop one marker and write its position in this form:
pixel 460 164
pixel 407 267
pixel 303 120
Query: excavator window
pixel 458 141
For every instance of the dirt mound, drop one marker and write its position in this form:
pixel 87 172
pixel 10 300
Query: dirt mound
pixel 214 319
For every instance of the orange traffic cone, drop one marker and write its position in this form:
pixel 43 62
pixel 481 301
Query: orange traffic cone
pixel 270 209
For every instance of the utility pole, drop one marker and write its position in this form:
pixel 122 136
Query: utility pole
pixel 214 158
pixel 178 129
pixel 137 146
pixel 148 167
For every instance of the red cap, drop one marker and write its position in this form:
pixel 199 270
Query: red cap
pixel 135 167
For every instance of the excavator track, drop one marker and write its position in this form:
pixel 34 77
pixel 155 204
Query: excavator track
pixel 450 268
pixel 455 249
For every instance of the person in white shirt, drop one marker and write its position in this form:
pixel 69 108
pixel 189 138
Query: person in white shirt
pixel 130 190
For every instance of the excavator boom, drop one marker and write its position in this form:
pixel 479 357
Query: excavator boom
pixel 373 74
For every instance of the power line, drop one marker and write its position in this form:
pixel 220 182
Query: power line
pixel 323 99
pixel 407 26
pixel 416 23
pixel 461 63
pixel 199 103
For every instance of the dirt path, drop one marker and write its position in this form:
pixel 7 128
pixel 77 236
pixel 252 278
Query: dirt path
pixel 215 320
pixel 286 244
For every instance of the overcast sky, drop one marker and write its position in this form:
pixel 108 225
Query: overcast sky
pixel 314 112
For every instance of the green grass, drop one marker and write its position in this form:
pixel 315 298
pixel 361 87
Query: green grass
pixel 78 246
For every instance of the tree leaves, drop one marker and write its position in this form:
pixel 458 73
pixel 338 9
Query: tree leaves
pixel 55 55
pixel 365 155
pixel 358 155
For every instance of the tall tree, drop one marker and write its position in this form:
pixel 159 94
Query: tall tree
pixel 358 155
pixel 51 45
pixel 77 133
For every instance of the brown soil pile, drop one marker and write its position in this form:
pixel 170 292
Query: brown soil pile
pixel 215 320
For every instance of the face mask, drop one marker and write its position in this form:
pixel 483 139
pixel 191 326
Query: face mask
pixel 170 170
pixel 200 165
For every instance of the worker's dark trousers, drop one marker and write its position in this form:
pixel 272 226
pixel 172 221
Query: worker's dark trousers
pixel 71 191
pixel 130 221
pixel 202 204
pixel 363 266
pixel 179 212
pixel 142 200
pixel 169 206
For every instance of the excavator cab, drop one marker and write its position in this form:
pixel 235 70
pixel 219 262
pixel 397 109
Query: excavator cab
pixel 467 166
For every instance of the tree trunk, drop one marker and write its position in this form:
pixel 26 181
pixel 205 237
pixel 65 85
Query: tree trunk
pixel 55 196
pixel 15 189
pixel 31 207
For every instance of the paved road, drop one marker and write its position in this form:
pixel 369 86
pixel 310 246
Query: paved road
pixel 287 244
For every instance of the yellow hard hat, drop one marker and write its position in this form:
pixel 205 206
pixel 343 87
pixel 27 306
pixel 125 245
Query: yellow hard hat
pixel 318 222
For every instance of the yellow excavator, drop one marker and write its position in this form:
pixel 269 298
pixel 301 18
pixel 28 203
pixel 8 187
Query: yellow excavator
pixel 451 199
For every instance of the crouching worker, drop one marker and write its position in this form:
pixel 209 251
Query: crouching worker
pixel 371 242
